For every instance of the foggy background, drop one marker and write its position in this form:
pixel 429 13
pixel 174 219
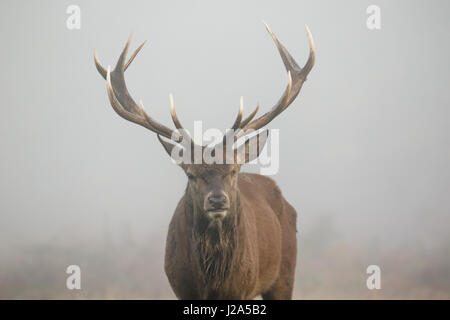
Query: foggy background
pixel 364 148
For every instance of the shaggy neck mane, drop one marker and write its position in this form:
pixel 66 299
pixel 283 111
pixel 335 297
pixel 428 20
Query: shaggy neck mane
pixel 214 244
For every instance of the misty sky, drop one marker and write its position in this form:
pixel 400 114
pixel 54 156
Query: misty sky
pixel 366 142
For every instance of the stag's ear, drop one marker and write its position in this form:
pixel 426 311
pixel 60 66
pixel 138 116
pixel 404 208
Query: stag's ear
pixel 173 149
pixel 168 146
pixel 252 147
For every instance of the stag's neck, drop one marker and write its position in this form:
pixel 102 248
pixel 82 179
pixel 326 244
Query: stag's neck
pixel 215 244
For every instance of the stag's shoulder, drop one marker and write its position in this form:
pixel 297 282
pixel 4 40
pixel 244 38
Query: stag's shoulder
pixel 181 217
pixel 178 233
pixel 262 189
pixel 257 179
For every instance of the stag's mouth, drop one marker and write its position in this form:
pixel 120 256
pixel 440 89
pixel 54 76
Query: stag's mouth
pixel 217 213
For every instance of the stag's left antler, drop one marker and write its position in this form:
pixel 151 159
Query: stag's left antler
pixel 296 78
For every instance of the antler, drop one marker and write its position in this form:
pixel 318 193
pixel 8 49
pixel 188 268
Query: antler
pixel 238 123
pixel 123 103
pixel 127 108
pixel 296 78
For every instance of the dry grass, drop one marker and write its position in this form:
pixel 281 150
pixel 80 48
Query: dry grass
pixel 329 268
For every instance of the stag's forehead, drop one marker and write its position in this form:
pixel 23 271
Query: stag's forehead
pixel 209 169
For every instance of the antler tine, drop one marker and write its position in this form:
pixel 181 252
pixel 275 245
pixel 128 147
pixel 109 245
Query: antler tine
pixel 103 71
pixel 312 53
pixel 99 66
pixel 237 122
pixel 121 100
pixel 250 117
pixel 296 78
pixel 159 128
pixel 134 55
pixel 175 119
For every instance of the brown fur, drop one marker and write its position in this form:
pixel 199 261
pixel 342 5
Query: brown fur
pixel 251 252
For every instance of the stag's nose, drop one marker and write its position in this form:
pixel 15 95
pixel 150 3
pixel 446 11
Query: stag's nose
pixel 217 201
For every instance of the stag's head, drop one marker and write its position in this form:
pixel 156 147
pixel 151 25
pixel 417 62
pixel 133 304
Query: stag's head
pixel 212 184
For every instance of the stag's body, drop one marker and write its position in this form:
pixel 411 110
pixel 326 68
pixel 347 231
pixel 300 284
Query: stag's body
pixel 252 253
pixel 233 236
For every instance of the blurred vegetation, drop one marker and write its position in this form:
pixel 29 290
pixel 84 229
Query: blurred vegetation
pixel 329 267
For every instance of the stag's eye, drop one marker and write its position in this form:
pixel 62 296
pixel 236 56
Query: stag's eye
pixel 190 177
pixel 233 172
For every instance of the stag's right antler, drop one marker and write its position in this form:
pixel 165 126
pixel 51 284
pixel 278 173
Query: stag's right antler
pixel 123 103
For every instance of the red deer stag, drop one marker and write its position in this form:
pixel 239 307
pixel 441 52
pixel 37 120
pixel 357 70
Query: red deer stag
pixel 233 235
